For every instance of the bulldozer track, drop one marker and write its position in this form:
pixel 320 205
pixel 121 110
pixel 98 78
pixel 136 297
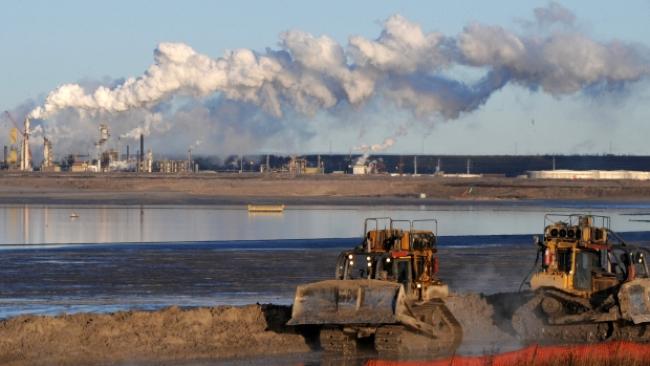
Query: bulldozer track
pixel 398 340
pixel 530 325
pixel 631 332
pixel 388 338
pixel 445 325
pixel 336 341
pixel 401 339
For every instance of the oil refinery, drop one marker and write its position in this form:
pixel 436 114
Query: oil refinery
pixel 105 158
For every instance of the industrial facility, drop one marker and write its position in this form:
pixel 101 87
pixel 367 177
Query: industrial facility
pixel 108 156
pixel 105 159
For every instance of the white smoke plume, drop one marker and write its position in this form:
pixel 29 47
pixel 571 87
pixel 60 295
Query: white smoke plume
pixel 388 142
pixel 308 74
pixel 367 149
pixel 554 13
pixel 151 122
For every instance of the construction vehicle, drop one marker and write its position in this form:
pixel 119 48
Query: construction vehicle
pixel 590 285
pixel 385 294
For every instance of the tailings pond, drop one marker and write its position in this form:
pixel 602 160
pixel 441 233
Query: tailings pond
pixel 114 257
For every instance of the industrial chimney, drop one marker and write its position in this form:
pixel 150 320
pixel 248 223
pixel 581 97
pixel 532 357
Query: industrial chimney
pixel 141 156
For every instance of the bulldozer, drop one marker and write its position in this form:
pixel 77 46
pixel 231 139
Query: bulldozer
pixel 589 286
pixel 385 294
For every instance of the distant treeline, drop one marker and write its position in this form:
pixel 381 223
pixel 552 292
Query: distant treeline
pixel 508 165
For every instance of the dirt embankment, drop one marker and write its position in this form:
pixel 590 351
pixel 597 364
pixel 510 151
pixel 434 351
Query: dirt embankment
pixel 485 321
pixel 237 188
pixel 173 335
pixel 167 336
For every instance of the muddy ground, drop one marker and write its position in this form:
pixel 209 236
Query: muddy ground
pixel 123 188
pixel 177 336
pixel 97 278
pixel 166 336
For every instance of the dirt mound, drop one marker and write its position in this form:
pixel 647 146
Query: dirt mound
pixel 172 334
pixel 483 326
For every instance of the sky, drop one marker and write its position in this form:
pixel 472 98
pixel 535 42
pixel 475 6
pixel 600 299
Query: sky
pixel 47 44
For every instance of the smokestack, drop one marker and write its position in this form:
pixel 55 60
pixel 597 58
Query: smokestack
pixel 141 157
pixel 415 164
pixel 127 153
pixel 5 156
pixel 190 166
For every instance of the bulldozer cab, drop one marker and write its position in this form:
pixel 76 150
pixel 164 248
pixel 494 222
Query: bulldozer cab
pixel 379 266
pixel 582 255
pixel 384 234
pixel 400 251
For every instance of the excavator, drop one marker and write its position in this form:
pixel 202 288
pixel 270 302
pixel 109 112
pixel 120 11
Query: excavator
pixel 589 286
pixel 385 294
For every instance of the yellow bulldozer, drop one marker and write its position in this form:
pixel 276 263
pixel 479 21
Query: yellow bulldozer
pixel 590 285
pixel 385 293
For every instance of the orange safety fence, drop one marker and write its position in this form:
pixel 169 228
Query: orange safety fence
pixel 610 353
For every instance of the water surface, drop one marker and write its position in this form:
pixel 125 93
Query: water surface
pixel 37 224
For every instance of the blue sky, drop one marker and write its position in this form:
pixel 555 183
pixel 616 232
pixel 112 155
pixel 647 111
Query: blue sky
pixel 48 43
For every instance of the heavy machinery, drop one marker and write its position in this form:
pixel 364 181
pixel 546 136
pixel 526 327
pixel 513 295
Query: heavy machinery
pixel 385 293
pixel 590 285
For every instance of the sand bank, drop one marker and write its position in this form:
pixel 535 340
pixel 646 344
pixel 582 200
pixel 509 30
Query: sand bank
pixel 138 337
pixel 174 335
pixel 324 189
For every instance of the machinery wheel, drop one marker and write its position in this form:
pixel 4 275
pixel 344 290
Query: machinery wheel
pixel 335 340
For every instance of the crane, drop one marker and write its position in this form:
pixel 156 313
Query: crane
pixel 12 120
pixel 25 154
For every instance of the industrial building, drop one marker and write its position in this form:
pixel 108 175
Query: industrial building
pixel 174 166
pixel 589 174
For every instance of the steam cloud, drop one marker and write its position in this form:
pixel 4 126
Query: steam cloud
pixel 405 66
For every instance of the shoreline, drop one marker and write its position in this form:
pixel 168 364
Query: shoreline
pixel 120 199
pixel 248 188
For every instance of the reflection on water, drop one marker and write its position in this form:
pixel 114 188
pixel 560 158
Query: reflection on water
pixel 36 224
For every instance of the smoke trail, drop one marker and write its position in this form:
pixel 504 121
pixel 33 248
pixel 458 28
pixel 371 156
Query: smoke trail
pixel 404 65
pixel 367 149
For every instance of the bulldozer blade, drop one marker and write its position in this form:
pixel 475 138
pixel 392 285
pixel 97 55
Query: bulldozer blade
pixel 634 298
pixel 348 302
